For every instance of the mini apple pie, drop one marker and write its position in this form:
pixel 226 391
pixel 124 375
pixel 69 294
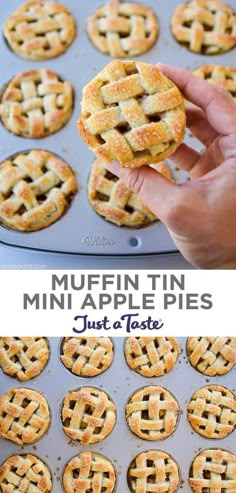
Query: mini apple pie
pixel 36 188
pixel 153 471
pixel 132 113
pixel 23 358
pixel 89 471
pixel 123 29
pixel 220 75
pixel 213 471
pixel 88 415
pixel 40 30
pixel 212 355
pixel 25 473
pixel 87 356
pixel 111 199
pixel 36 103
pixel 152 413
pixel 151 356
pixel 212 411
pixel 24 416
pixel 205 26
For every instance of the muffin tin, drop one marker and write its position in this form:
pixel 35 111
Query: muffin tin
pixel 121 446
pixel 81 230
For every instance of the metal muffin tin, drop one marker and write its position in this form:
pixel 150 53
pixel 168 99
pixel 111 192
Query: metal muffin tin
pixel 121 446
pixel 81 230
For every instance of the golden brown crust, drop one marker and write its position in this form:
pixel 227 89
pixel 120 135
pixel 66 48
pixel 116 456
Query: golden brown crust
pixel 40 30
pixel 23 358
pixel 213 470
pixel 159 466
pixel 85 470
pixel 25 471
pixel 151 356
pixel 24 415
pixel 152 413
pixel 205 26
pixel 212 411
pixel 87 356
pixel 220 75
pixel 123 29
pixel 88 415
pixel 36 103
pixel 111 199
pixel 212 355
pixel 132 113
pixel 36 188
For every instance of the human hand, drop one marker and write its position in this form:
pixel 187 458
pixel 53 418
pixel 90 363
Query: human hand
pixel 201 213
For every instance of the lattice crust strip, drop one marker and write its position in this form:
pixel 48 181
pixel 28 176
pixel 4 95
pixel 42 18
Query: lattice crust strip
pixel 212 355
pixel 39 30
pixel 24 415
pixel 25 473
pixel 153 471
pixel 205 26
pixel 36 103
pixel 122 29
pixel 87 356
pixel 132 113
pixel 35 190
pixel 89 471
pixel 213 471
pixel 23 357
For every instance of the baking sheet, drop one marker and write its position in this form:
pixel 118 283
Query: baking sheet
pixel 121 446
pixel 81 230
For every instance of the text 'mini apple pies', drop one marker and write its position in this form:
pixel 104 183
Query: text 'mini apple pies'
pixel 88 415
pixel 220 75
pixel 123 29
pixel 151 356
pixel 24 415
pixel 212 411
pixel 36 103
pixel 23 358
pixel 131 113
pixel 153 470
pixel 36 188
pixel 212 355
pixel 205 26
pixel 89 471
pixel 87 356
pixel 111 199
pixel 152 413
pixel 25 473
pixel 39 30
pixel 213 471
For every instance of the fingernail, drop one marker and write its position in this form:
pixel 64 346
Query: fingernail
pixel 114 168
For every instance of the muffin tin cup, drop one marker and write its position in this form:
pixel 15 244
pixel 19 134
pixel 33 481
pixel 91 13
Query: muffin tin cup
pixel 21 446
pixel 83 376
pixel 171 457
pixel 37 456
pixel 78 442
pixel 177 419
pixel 81 230
pixel 16 381
pixel 121 446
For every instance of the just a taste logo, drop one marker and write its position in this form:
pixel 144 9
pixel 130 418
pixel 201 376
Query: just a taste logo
pixel 126 323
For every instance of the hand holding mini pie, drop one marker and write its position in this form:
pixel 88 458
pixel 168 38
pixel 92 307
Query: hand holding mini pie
pixel 132 113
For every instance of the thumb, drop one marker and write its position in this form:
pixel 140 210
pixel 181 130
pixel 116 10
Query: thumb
pixel 156 191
